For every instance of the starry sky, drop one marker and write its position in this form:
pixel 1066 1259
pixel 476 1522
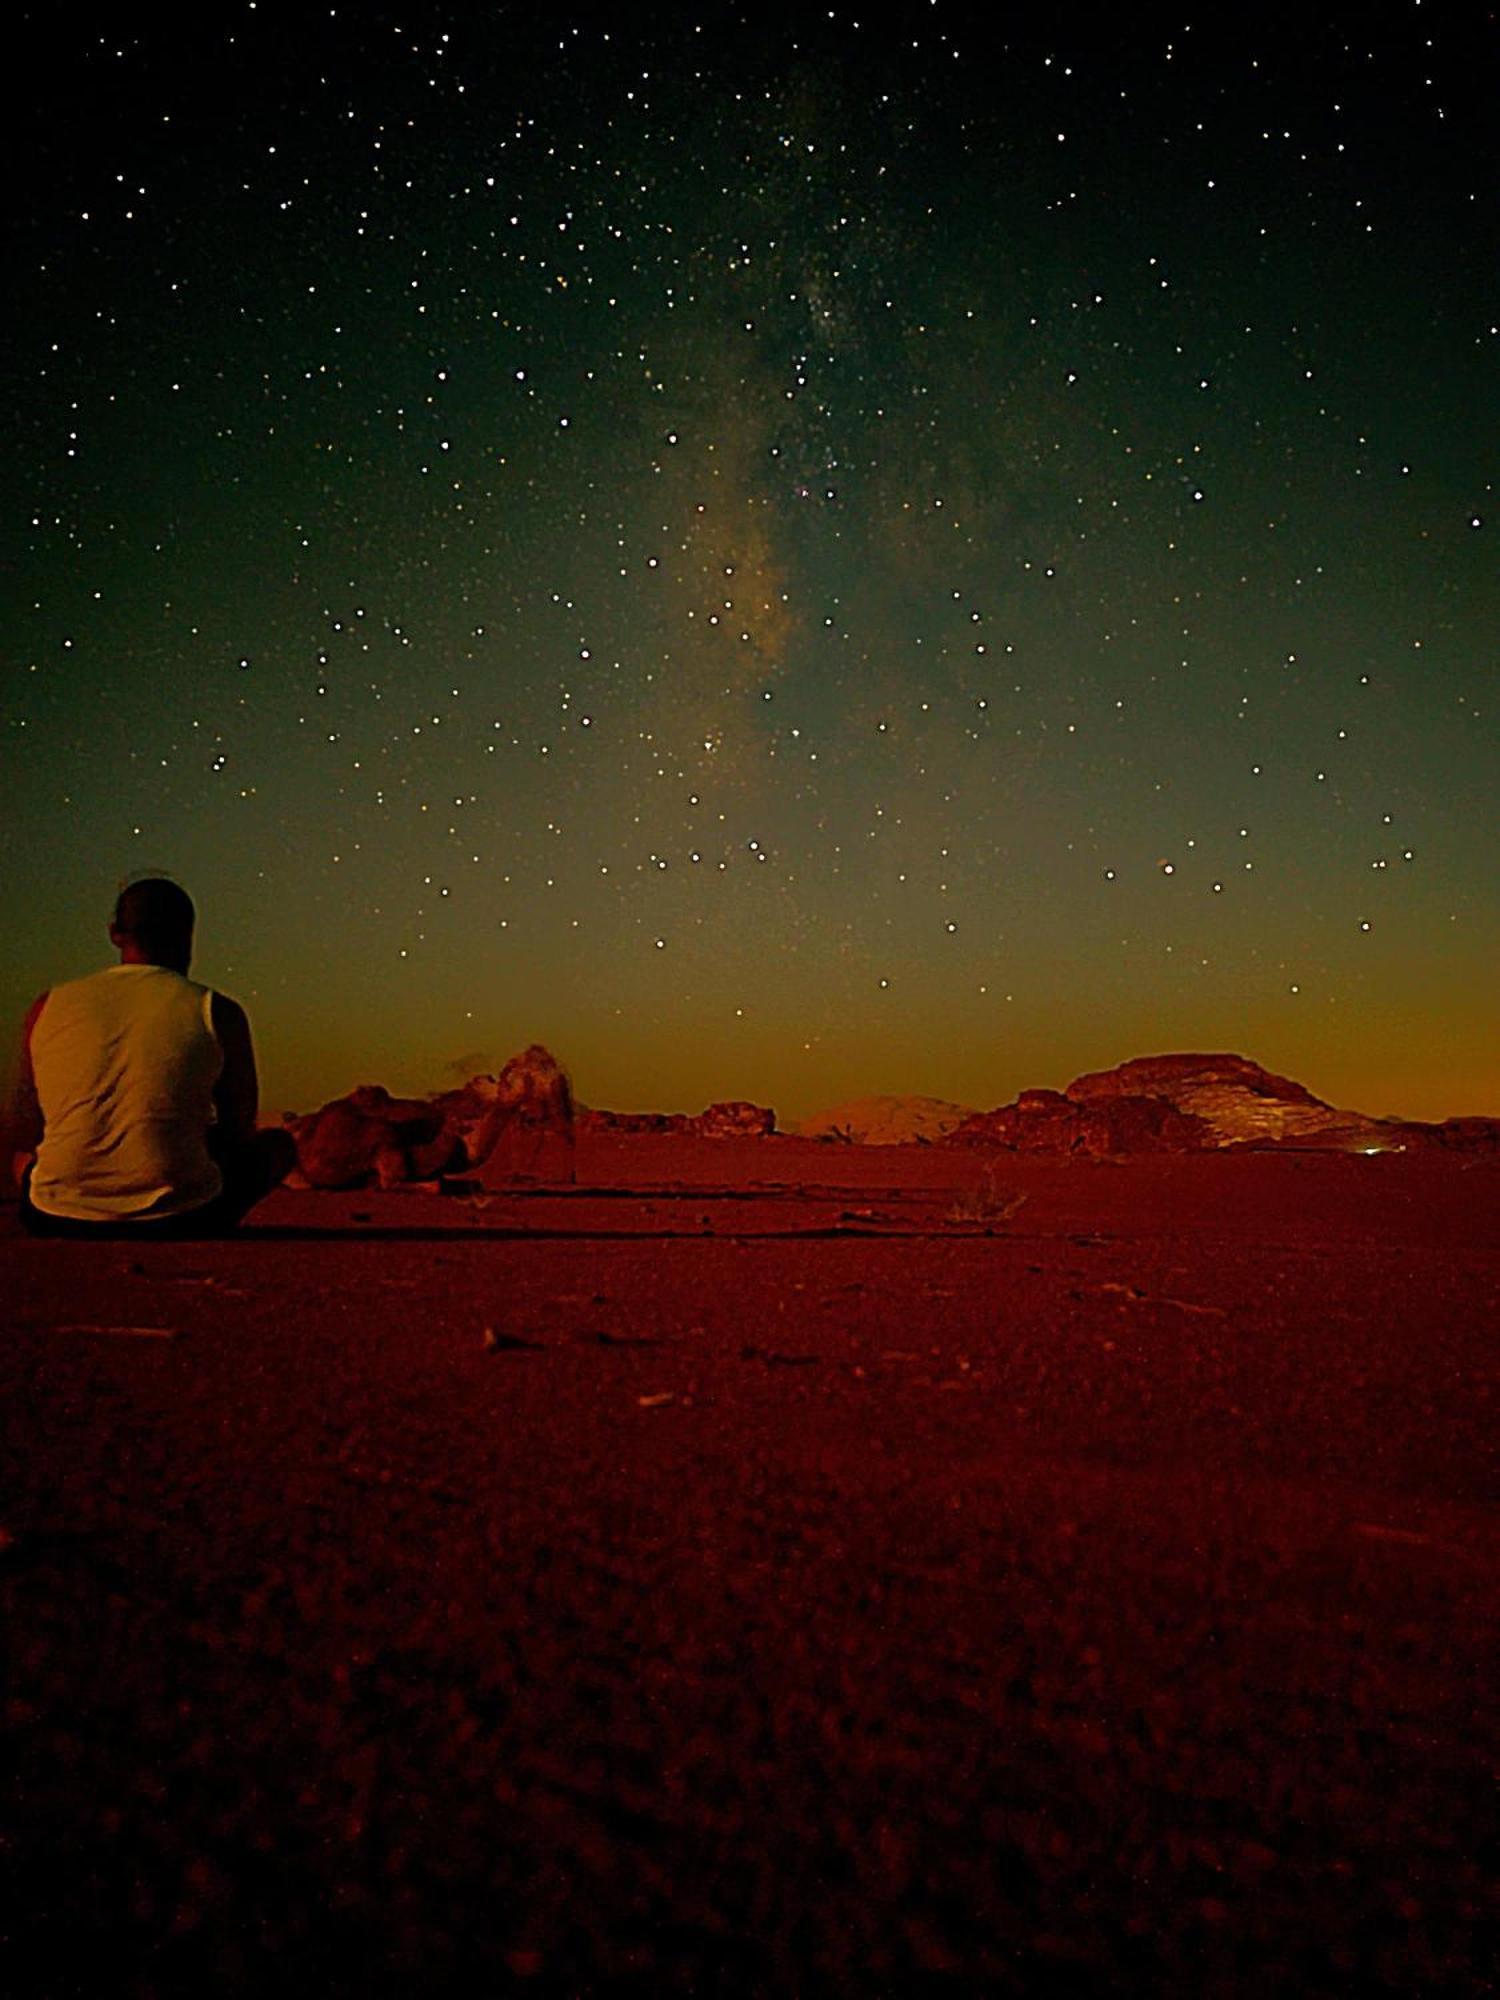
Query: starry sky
pixel 784 554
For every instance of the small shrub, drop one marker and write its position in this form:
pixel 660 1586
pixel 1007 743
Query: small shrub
pixel 987 1201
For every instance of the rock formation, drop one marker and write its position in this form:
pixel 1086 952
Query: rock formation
pixel 886 1121
pixel 525 1134
pixel 370 1136
pixel 1453 1135
pixel 733 1119
pixel 464 1111
pixel 630 1124
pixel 1045 1121
pixel 518 1128
pixel 1240 1103
pixel 1196 1103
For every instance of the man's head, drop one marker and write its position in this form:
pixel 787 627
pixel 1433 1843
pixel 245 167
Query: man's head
pixel 153 925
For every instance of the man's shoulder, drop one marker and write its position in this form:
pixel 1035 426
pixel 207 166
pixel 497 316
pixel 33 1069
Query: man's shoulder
pixel 122 986
pixel 123 975
pixel 67 991
pixel 62 987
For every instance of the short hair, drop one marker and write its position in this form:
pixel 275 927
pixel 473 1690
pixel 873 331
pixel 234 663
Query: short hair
pixel 154 912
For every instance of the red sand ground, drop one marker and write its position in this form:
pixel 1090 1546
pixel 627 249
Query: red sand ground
pixel 823 1587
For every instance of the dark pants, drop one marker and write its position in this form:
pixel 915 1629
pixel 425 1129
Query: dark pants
pixel 250 1171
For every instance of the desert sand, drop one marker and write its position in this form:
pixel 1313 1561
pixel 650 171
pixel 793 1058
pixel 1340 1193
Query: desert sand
pixel 765 1567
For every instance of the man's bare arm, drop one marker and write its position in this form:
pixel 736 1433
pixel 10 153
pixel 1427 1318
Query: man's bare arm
pixel 237 1092
pixel 24 1117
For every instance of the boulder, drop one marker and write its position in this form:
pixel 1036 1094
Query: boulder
pixel 525 1135
pixel 733 1119
pixel 371 1137
pixel 463 1112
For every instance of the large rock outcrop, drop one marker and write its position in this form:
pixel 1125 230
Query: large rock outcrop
pixel 464 1111
pixel 524 1134
pixel 1239 1102
pixel 514 1128
pixel 1045 1121
pixel 1198 1103
pixel 887 1121
pixel 371 1138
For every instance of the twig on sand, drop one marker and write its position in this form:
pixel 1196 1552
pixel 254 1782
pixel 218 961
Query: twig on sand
pixel 1377 1532
pixel 1134 1293
pixel 125 1332
pixel 209 1280
pixel 500 1342
pixel 775 1357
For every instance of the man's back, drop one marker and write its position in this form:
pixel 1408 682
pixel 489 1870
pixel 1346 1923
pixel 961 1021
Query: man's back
pixel 125 1064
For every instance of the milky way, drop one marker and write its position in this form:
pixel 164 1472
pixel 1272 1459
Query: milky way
pixel 780 555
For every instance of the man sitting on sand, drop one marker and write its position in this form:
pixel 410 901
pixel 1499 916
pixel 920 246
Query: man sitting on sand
pixel 136 1095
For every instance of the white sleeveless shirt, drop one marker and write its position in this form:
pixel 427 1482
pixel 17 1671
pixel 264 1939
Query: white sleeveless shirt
pixel 125 1063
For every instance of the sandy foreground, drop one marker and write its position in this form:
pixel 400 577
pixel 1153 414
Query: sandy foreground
pixel 768 1568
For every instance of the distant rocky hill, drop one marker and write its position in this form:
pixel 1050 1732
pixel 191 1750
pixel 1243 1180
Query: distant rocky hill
pixel 886 1121
pixel 1238 1101
pixel 1202 1103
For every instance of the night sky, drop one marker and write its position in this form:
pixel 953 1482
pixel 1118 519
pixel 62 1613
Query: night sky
pixel 782 554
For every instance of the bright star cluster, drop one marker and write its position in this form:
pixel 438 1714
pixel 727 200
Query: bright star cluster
pixel 781 553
